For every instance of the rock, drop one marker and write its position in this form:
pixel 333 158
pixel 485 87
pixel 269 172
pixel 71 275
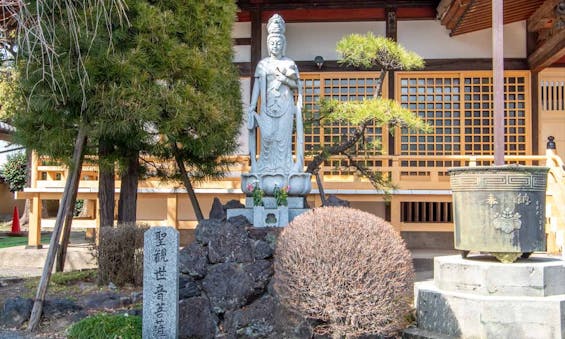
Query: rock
pixel 233 204
pixel 268 234
pixel 217 211
pixel 102 300
pixel 253 321
pixel 196 320
pixel 15 312
pixel 289 324
pixel 227 286
pixel 206 230
pixel 335 201
pixel 193 260
pixel 260 273
pixel 262 250
pixel 125 301
pixel 56 308
pixel 239 221
pixel 229 243
pixel 112 286
pixel 188 288
pixel 136 297
pixel 135 312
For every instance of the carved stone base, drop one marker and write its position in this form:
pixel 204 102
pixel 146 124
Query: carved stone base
pixel 270 215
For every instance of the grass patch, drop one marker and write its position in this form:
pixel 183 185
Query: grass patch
pixel 19 241
pixel 102 326
pixel 63 282
pixel 67 278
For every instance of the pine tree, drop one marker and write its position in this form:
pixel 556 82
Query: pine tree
pixel 367 51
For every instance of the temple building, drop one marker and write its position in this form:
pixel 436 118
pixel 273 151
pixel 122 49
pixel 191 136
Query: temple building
pixel 453 93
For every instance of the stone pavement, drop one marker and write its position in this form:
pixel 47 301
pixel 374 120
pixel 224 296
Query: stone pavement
pixel 20 262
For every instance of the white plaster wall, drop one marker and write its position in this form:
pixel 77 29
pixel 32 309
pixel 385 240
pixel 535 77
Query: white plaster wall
pixel 432 41
pixel 241 30
pixel 307 40
pixel 241 53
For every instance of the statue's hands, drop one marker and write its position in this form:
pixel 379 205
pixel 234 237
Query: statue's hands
pixel 280 77
pixel 251 122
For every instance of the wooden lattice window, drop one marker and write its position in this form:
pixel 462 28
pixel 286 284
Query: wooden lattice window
pixel 426 211
pixel 344 86
pixel 552 95
pixel 458 105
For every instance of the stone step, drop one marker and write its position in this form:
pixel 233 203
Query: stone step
pixel 537 276
pixel 467 315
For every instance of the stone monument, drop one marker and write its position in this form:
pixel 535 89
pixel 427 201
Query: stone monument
pixel 277 185
pixel 160 283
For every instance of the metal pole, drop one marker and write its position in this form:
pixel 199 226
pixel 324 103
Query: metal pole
pixel 498 79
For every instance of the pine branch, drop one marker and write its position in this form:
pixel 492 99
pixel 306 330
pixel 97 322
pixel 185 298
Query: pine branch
pixel 314 165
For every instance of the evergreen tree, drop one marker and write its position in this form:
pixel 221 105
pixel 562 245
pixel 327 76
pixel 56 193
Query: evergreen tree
pixel 367 51
pixel 170 90
pixel 168 87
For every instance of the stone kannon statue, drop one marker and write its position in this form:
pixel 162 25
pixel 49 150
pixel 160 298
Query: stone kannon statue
pixel 276 82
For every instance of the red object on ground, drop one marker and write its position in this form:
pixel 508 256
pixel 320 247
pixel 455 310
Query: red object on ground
pixel 16 222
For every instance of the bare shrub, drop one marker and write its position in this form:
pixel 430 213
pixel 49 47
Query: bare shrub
pixel 347 270
pixel 120 255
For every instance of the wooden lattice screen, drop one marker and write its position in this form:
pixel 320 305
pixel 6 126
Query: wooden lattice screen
pixel 457 104
pixel 459 107
pixel 343 86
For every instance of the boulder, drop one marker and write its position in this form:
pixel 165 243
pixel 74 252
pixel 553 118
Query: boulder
pixel 206 230
pixel 227 286
pixel 233 204
pixel 253 321
pixel 335 201
pixel 260 273
pixel 56 308
pixel 229 243
pixel 16 312
pixel 217 211
pixel 262 249
pixel 196 320
pixel 188 287
pixel 193 260
pixel 102 300
pixel 240 221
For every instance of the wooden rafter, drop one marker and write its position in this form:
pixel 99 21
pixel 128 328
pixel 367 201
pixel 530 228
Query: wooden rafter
pixel 549 52
pixel 464 16
pixel 332 4
pixel 543 16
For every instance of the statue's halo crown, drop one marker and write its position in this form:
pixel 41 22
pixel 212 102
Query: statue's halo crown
pixel 276 25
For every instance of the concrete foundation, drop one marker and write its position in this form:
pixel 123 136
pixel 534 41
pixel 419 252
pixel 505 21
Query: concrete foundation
pixel 480 297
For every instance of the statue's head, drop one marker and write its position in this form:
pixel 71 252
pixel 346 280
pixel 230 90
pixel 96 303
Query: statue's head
pixel 276 44
pixel 276 41
pixel 276 25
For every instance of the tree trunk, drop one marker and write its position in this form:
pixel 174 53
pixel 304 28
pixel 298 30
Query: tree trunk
pixel 106 186
pixel 320 188
pixel 70 188
pixel 187 184
pixel 69 214
pixel 127 205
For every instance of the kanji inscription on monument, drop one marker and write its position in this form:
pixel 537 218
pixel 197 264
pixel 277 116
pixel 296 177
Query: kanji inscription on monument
pixel 160 283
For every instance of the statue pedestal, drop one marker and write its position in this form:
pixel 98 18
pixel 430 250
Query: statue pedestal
pixel 480 297
pixel 270 215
